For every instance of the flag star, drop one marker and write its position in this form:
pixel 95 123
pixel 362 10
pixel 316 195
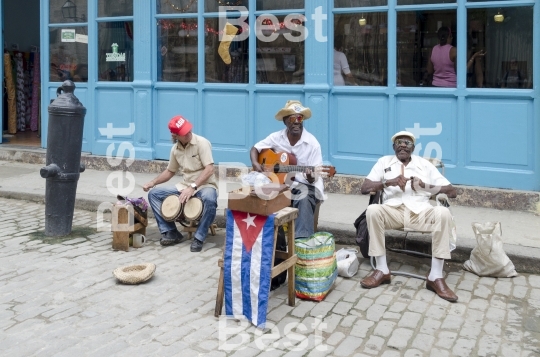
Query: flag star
pixel 250 221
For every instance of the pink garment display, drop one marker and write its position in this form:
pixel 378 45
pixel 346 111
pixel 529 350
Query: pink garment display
pixel 444 74
pixel 35 94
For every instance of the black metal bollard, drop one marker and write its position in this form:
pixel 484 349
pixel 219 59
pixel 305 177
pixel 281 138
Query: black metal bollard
pixel 64 144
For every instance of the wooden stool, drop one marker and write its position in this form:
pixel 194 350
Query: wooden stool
pixel 285 215
pixel 122 228
pixel 193 225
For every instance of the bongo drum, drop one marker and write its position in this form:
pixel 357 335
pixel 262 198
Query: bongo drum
pixel 193 209
pixel 171 208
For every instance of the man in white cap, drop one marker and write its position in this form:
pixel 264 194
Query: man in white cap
pixel 408 182
pixel 307 188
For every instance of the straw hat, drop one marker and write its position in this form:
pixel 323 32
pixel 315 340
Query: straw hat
pixel 293 107
pixel 135 274
pixel 404 133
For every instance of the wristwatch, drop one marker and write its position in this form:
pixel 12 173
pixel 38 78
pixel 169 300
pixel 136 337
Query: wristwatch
pixel 194 186
pixel 384 183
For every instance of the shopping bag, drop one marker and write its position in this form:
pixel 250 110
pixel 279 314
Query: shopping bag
pixel 488 257
pixel 347 262
pixel 316 267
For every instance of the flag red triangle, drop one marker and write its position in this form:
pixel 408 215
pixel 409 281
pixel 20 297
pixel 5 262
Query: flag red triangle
pixel 250 227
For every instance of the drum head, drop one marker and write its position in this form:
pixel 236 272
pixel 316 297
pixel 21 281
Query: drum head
pixel 193 209
pixel 171 208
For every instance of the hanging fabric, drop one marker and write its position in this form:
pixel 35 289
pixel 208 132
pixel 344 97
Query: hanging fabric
pixel 21 94
pixel 10 90
pixel 35 93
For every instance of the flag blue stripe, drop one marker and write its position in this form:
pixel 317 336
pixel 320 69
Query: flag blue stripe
pixel 246 279
pixel 266 270
pixel 227 262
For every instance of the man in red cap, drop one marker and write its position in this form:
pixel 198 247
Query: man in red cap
pixel 192 155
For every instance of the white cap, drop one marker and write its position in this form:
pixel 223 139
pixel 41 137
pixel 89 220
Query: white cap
pixel 404 133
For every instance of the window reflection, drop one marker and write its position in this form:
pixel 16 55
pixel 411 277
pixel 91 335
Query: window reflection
pixel 506 37
pixel 359 3
pixel 419 44
pixel 115 51
pixel 68 59
pixel 78 9
pixel 108 8
pixel 176 6
pixel 280 4
pixel 423 2
pixel 225 61
pixel 177 46
pixel 280 50
pixel 360 40
pixel 213 5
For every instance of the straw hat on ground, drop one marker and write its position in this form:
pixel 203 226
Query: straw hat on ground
pixel 293 107
pixel 135 274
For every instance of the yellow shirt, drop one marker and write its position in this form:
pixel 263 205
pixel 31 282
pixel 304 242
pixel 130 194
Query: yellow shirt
pixel 192 160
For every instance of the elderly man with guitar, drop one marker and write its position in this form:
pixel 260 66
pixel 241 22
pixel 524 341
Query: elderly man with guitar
pixel 294 150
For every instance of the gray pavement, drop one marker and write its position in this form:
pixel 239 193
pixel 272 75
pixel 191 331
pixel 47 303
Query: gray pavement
pixel 521 230
pixel 58 297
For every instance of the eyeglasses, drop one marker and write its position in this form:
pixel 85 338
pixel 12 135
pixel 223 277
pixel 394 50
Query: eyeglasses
pixel 295 118
pixel 407 143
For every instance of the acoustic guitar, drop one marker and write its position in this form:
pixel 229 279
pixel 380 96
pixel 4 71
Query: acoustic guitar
pixel 282 163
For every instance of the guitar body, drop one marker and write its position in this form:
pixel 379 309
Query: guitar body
pixel 272 160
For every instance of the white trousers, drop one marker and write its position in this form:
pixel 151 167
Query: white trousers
pixel 435 220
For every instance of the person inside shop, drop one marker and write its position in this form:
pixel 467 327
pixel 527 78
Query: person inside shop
pixel 191 154
pixel 341 65
pixel 476 43
pixel 408 182
pixel 307 187
pixel 513 78
pixel 441 67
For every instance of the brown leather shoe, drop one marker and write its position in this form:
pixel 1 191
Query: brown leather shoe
pixel 375 279
pixel 440 288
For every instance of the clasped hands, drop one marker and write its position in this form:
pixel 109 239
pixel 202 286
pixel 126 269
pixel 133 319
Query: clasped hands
pixel 416 183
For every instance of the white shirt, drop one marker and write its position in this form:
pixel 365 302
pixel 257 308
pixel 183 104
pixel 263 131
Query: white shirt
pixel 389 167
pixel 307 151
pixel 340 65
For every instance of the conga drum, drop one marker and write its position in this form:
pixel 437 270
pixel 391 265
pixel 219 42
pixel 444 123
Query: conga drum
pixel 171 209
pixel 193 209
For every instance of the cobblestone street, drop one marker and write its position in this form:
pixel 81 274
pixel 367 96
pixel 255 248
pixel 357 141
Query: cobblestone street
pixel 58 297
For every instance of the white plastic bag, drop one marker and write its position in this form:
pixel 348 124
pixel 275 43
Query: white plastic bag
pixel 347 262
pixel 488 257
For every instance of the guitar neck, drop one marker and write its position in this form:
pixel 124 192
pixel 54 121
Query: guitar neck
pixel 294 168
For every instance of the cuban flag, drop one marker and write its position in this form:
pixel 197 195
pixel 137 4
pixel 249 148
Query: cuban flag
pixel 247 265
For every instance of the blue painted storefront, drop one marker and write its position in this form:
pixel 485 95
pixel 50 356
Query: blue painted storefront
pixel 487 137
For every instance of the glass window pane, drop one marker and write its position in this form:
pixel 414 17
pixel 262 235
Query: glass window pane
pixel 361 49
pixel 177 46
pixel 225 62
pixel 68 58
pixel 280 50
pixel 108 8
pixel 422 2
pixel 280 4
pixel 213 5
pixel 506 37
pixel 62 11
pixel 176 6
pixel 115 51
pixel 418 40
pixel 359 3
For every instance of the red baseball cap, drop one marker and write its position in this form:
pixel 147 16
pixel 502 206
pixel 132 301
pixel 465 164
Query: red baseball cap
pixel 179 125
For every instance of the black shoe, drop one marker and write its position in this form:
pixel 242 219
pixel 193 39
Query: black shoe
pixel 196 245
pixel 171 238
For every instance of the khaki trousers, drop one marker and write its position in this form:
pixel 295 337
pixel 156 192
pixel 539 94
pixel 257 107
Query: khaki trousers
pixel 437 220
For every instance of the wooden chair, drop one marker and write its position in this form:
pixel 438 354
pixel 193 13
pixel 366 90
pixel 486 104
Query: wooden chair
pixel 443 199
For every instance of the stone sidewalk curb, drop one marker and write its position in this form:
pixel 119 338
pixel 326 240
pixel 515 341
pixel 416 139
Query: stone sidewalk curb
pixel 472 196
pixel 525 259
